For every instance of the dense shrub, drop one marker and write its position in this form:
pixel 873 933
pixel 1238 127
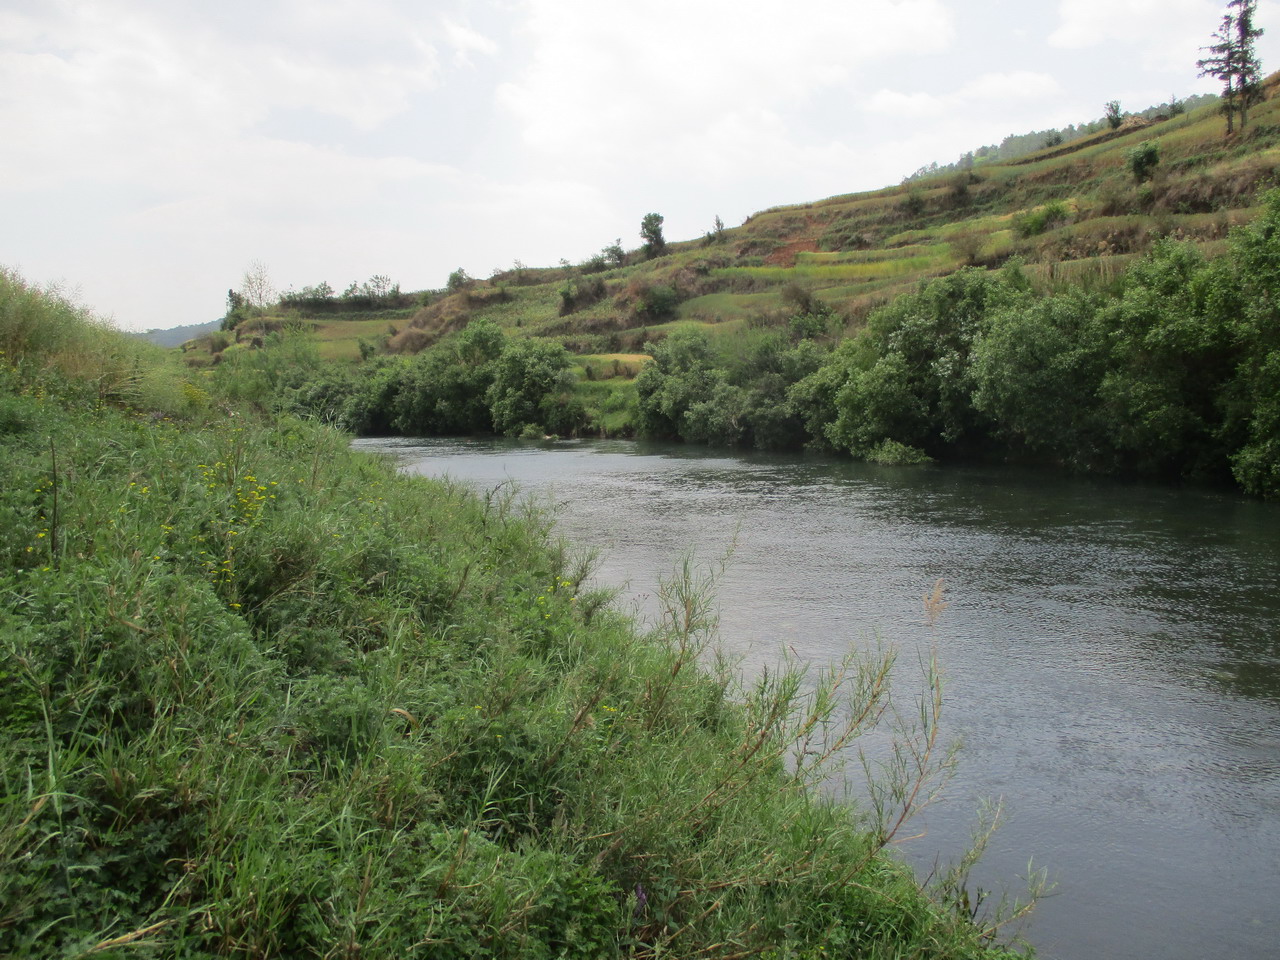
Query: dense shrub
pixel 1174 374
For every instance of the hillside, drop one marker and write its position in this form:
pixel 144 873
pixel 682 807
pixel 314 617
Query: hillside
pixel 916 322
pixel 1073 213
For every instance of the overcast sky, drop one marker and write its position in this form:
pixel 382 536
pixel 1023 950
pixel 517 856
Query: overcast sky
pixel 152 148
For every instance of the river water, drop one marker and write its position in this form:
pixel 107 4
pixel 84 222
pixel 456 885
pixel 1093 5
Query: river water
pixel 1111 654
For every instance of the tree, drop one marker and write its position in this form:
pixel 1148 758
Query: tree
pixel 1114 114
pixel 614 253
pixel 1233 59
pixel 1248 66
pixel 533 388
pixel 256 287
pixel 651 233
pixel 715 234
pixel 379 285
pixel 458 280
pixel 235 310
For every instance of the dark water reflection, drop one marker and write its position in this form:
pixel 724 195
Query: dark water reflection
pixel 1111 652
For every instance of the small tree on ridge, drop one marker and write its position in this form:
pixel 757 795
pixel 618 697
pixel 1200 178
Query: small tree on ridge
pixel 651 232
pixel 1114 115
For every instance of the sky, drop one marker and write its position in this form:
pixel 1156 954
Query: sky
pixel 154 149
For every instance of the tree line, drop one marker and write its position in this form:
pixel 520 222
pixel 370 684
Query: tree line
pixel 478 382
pixel 1173 374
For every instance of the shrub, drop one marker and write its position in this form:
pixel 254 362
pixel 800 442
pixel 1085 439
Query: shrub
pixel 1035 222
pixel 1142 160
pixel 580 292
pixel 958 194
pixel 649 302
pixel 892 453
pixel 614 254
pixel 967 247
pixel 844 233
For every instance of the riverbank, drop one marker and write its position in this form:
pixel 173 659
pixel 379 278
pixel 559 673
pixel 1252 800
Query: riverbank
pixel 263 696
pixel 1109 653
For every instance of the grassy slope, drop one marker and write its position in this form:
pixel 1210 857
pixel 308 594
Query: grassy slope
pixel 260 696
pixel 859 251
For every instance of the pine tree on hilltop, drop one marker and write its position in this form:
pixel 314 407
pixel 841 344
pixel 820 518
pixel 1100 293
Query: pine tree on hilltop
pixel 1233 59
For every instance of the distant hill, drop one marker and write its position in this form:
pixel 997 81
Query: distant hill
pixel 176 336
pixel 1021 145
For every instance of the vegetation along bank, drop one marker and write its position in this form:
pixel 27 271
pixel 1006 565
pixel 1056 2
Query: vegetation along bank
pixel 262 697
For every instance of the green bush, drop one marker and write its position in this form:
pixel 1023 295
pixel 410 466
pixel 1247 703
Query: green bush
pixel 658 302
pixel 1142 160
pixel 1035 222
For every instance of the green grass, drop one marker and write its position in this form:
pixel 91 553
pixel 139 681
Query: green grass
pixel 714 307
pixel 836 273
pixel 340 339
pixel 610 404
pixel 910 251
pixel 263 696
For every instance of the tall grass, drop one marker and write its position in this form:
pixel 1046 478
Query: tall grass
pixel 260 696
pixel 45 334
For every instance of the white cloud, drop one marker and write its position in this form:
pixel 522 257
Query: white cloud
pixel 608 82
pixel 121 83
pixel 349 137
pixel 1003 87
pixel 1000 88
pixel 466 41
pixel 172 118
pixel 1086 23
pixel 1158 34
pixel 894 103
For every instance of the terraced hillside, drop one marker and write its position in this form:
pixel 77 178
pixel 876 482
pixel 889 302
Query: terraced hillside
pixel 1075 214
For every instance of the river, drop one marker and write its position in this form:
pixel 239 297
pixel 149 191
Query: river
pixel 1111 654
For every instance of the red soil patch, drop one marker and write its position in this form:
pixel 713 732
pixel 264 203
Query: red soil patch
pixel 786 256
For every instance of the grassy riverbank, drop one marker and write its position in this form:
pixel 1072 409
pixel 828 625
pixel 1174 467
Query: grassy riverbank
pixel 260 696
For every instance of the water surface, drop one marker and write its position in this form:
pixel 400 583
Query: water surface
pixel 1111 654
